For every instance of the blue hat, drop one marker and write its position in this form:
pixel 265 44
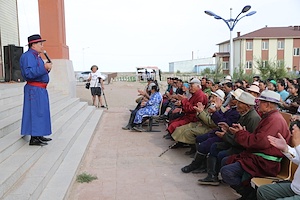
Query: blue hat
pixel 186 85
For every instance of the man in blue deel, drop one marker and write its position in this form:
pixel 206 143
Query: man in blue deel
pixel 36 110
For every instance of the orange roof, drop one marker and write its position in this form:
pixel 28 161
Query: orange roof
pixel 271 32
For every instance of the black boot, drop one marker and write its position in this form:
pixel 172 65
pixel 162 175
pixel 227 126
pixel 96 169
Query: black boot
pixel 212 177
pixel 199 158
pixel 36 141
pixel 247 192
pixel 138 127
pixel 192 151
pixel 130 122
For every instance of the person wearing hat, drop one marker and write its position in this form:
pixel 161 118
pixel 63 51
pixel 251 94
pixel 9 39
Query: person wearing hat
pixel 248 119
pixel 96 86
pixel 36 119
pixel 255 91
pixel 272 85
pixel 188 106
pixel 204 140
pixel 260 158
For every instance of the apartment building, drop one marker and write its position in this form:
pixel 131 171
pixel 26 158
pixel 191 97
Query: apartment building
pixel 276 44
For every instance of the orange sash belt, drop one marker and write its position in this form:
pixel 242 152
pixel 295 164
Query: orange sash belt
pixel 37 84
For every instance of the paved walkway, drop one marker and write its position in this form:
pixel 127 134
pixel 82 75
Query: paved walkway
pixel 127 163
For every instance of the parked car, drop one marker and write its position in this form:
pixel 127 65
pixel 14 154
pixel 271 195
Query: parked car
pixel 83 76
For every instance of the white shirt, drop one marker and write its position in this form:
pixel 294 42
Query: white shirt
pixel 294 155
pixel 95 79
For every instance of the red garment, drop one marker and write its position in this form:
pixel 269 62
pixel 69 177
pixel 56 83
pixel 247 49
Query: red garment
pixel 189 111
pixel 271 123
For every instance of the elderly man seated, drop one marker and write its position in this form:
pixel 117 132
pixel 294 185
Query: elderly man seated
pixel 148 107
pixel 284 190
pixel 188 133
pixel 204 141
pixel 188 106
pixel 249 119
pixel 259 158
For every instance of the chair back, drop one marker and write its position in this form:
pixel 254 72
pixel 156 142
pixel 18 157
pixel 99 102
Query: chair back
pixel 287 117
pixel 285 169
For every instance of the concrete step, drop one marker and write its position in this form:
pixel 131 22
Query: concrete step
pixel 22 160
pixel 33 182
pixel 13 141
pixel 57 108
pixel 58 186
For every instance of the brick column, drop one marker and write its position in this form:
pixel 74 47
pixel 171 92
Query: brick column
pixel 52 27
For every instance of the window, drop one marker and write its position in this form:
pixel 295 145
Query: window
pixel 265 45
pixel 226 47
pixel 225 65
pixel 249 65
pixel 280 44
pixel 280 62
pixel 249 45
pixel 264 63
pixel 296 51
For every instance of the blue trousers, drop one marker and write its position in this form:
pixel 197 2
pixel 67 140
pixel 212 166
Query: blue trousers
pixel 232 174
pixel 206 141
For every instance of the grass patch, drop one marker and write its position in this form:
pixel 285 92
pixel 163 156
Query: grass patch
pixel 85 178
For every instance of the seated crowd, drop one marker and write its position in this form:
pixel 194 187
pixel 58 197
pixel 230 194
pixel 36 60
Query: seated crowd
pixel 235 130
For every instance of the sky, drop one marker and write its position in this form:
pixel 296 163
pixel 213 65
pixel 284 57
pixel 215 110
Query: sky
pixel 120 35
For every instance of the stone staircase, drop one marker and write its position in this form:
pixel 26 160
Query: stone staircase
pixel 34 172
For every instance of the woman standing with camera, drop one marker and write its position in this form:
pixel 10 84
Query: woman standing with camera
pixel 96 85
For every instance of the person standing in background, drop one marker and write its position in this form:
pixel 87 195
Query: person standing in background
pixel 36 119
pixel 96 85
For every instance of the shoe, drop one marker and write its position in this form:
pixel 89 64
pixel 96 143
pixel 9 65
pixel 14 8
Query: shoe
pixel 35 141
pixel 163 117
pixel 102 106
pixel 192 151
pixel 43 139
pixel 209 180
pixel 168 137
pixel 138 128
pixel 126 128
pixel 177 145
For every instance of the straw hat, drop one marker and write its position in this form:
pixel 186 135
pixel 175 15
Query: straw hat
pixel 253 88
pixel 219 93
pixel 270 96
pixel 236 93
pixel 246 98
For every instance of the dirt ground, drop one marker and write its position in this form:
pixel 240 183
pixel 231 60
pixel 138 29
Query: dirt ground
pixel 127 163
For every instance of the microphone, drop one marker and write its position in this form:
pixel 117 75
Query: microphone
pixel 46 55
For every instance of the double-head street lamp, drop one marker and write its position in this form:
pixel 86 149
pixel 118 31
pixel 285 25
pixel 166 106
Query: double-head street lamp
pixel 231 24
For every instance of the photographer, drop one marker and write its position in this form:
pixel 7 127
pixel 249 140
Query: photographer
pixel 96 85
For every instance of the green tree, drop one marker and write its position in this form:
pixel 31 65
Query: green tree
pixel 271 69
pixel 206 71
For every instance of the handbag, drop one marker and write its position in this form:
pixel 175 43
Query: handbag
pixel 87 85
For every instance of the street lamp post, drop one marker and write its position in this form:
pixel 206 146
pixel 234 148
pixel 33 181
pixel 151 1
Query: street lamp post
pixel 231 24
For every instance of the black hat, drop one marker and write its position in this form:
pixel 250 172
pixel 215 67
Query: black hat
pixel 35 38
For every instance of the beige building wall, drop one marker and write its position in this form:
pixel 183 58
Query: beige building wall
pixel 288 53
pixel 273 50
pixel 9 27
pixel 242 60
pixel 256 53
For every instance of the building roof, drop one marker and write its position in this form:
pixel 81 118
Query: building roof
pixel 271 32
pixel 221 54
